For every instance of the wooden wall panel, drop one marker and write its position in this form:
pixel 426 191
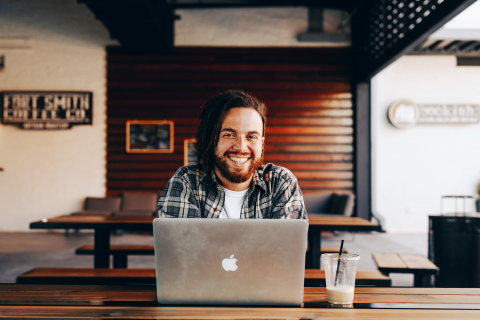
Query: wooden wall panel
pixel 306 90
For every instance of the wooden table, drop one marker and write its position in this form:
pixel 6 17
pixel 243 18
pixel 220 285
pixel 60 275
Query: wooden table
pixel 319 224
pixel 139 302
pixel 421 268
pixel 103 225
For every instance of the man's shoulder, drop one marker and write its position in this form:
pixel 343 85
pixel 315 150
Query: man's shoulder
pixel 274 172
pixel 189 173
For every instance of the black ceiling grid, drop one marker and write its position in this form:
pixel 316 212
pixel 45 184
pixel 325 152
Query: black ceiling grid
pixel 459 48
pixel 384 30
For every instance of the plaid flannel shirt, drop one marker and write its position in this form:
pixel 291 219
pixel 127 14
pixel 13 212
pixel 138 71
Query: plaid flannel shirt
pixel 273 194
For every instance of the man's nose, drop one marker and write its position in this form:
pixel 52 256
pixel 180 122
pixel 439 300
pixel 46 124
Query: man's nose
pixel 240 144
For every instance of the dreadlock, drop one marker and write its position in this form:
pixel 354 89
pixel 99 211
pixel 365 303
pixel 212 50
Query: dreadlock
pixel 212 116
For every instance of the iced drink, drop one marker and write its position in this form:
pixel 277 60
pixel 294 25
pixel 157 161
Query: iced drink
pixel 341 284
pixel 340 294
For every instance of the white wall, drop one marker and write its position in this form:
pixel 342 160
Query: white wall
pixel 48 173
pixel 413 168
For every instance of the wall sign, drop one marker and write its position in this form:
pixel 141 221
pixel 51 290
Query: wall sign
pixel 406 114
pixel 149 136
pixel 46 110
pixel 189 152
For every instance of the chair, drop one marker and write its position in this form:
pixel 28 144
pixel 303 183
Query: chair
pixel 328 204
pixel 99 206
pixel 138 204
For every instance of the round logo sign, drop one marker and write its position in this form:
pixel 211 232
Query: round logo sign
pixel 403 114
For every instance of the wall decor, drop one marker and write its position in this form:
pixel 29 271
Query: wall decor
pixel 190 152
pixel 44 110
pixel 149 136
pixel 405 114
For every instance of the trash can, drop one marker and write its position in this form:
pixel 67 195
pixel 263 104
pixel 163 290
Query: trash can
pixel 454 246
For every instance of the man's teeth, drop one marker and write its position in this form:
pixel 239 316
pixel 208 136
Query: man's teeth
pixel 238 160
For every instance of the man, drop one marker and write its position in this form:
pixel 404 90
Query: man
pixel 230 180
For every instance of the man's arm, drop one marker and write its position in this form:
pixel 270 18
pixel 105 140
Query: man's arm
pixel 178 199
pixel 288 200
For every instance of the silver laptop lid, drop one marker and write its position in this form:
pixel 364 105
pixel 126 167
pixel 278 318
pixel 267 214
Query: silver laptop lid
pixel 230 261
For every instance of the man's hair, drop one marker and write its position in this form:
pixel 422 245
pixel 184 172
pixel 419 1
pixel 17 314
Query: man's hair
pixel 212 116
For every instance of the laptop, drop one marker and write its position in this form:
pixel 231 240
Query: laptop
pixel 230 261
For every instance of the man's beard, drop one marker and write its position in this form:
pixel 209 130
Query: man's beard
pixel 235 176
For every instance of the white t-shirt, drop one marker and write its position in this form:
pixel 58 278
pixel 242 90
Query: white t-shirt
pixel 233 204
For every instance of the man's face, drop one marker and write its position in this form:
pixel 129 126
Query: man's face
pixel 239 150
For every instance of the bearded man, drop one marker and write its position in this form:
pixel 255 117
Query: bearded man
pixel 230 179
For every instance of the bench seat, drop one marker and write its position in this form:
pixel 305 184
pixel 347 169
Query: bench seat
pixel 316 278
pixel 313 277
pixel 87 276
pixel 120 253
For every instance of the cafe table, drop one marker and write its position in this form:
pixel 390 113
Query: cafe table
pixel 139 302
pixel 102 227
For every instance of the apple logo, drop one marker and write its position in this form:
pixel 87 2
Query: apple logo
pixel 229 264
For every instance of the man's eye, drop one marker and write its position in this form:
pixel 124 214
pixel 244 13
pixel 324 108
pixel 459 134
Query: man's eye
pixel 228 135
pixel 253 137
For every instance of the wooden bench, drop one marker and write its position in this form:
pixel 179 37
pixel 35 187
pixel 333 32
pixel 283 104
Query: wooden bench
pixel 87 276
pixel 120 253
pixel 73 276
pixel 424 271
pixel 316 278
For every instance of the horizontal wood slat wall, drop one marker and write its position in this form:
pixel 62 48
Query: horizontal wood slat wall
pixel 306 90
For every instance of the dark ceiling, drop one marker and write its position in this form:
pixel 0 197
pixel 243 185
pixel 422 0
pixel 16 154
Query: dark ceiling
pixel 148 25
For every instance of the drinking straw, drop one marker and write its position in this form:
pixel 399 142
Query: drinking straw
pixel 338 264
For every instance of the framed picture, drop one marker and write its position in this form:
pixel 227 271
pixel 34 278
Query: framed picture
pixel 190 152
pixel 149 136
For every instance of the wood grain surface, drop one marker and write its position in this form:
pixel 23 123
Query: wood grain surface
pixel 403 261
pixel 417 261
pixel 99 312
pixel 361 274
pixel 150 273
pixel 102 294
pixel 339 221
pixel 313 221
pixel 388 260
pixel 306 90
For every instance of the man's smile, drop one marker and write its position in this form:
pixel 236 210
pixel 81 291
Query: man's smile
pixel 238 160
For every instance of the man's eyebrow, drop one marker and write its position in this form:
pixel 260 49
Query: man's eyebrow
pixel 234 131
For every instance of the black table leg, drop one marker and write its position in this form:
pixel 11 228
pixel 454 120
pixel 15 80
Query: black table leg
pixel 312 259
pixel 120 260
pixel 101 258
pixel 423 280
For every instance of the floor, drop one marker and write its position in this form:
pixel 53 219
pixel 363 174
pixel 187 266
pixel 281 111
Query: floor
pixel 20 252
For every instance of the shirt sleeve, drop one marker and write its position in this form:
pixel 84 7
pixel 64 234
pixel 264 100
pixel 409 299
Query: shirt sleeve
pixel 288 200
pixel 177 199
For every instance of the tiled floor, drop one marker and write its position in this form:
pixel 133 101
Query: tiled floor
pixel 20 252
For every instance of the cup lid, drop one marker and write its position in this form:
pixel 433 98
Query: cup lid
pixel 344 256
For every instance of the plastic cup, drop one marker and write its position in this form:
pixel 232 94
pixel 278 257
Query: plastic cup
pixel 341 292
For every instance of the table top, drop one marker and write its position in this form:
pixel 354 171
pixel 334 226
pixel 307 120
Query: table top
pixel 92 222
pixel 141 295
pixel 139 302
pixel 99 312
pixel 141 222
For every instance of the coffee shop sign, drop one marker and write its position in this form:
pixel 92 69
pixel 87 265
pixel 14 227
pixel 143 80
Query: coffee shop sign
pixel 46 110
pixel 406 114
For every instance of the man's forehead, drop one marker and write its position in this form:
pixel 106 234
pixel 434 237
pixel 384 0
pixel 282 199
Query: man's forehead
pixel 245 119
